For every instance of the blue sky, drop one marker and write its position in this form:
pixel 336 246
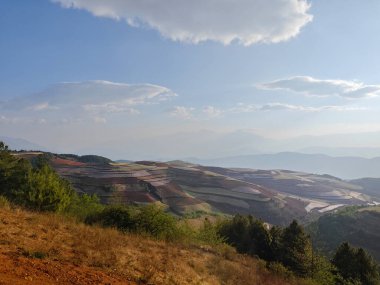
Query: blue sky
pixel 279 69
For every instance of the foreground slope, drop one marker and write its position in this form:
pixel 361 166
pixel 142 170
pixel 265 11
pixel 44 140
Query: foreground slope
pixel 50 249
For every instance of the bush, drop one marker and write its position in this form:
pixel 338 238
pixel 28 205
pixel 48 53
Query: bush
pixel 151 220
pixel 280 270
pixel 84 206
pixel 154 221
pixel 46 191
pixel 209 234
pixel 119 217
pixel 39 188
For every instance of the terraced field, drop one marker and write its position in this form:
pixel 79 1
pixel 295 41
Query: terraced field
pixel 276 196
pixel 322 193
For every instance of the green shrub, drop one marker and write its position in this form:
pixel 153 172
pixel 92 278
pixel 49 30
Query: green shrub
pixel 84 206
pixel 46 191
pixel 153 220
pixel 280 270
pixel 39 188
pixel 120 217
pixel 209 234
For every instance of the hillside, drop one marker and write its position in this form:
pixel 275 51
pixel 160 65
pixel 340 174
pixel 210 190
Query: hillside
pixel 370 186
pixel 53 249
pixel 358 226
pixel 276 196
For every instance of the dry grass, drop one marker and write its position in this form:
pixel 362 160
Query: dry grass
pixel 132 257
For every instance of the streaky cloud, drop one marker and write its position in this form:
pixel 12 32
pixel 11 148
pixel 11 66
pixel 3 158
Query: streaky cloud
pixel 75 101
pixel 310 86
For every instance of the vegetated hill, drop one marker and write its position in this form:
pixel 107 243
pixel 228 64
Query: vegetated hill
pixel 360 226
pixel 276 197
pixel 370 186
pixel 87 158
pixel 51 249
pixel 343 167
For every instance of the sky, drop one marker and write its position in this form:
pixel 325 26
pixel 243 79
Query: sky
pixel 178 78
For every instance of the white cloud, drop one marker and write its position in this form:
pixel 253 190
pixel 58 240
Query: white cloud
pixel 212 112
pixel 182 112
pixel 245 21
pixel 42 107
pixel 316 87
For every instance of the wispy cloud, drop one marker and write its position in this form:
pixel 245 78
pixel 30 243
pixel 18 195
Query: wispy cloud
pixel 212 112
pixel 245 21
pixel 42 107
pixel 248 108
pixel 182 112
pixel 289 107
pixel 71 101
pixel 316 87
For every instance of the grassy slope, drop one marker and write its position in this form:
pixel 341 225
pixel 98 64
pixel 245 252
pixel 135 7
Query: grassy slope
pixel 360 227
pixel 51 249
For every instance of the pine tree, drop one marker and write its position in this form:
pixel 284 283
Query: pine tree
pixel 296 250
pixel 356 265
pixel 260 240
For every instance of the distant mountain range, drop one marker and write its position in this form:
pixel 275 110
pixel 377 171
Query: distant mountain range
pixel 20 144
pixel 343 167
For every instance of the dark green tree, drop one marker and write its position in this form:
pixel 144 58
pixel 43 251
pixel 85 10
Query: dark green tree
pixel 13 173
pixel 296 250
pixel 259 240
pixel 276 243
pixel 236 232
pixel 355 265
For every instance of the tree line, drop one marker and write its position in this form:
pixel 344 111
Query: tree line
pixel 290 248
